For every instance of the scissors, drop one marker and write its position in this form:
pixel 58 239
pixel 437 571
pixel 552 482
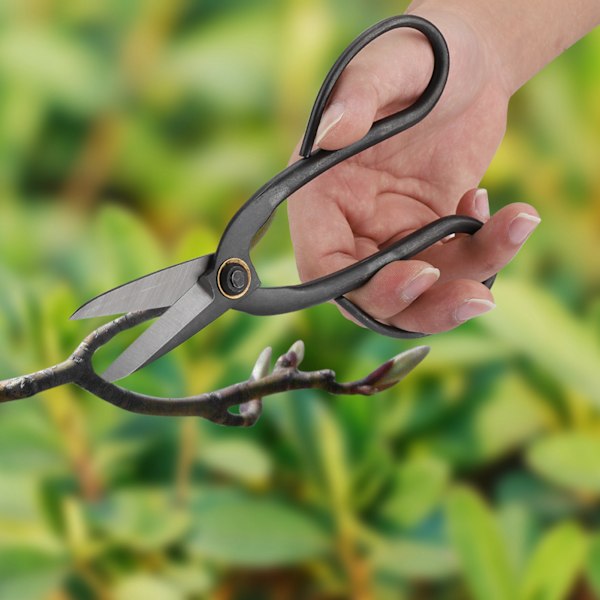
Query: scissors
pixel 198 291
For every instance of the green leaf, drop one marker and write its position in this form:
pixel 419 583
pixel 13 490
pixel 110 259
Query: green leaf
pixel 27 443
pixel 593 565
pixel 332 450
pixel 141 518
pixel 555 564
pixel 319 445
pixel 243 64
pixel 239 459
pixel 193 579
pixel 28 573
pixel 148 587
pixel 418 487
pixel 255 532
pixel 569 459
pixel 520 529
pixel 566 350
pixel 18 497
pixel 477 540
pixel 55 65
pixel 484 426
pixel 126 246
pixel 493 423
pixel 539 497
pixel 415 560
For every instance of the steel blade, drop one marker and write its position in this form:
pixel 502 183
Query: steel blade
pixel 193 311
pixel 156 290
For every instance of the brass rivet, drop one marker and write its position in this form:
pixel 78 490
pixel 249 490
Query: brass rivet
pixel 233 274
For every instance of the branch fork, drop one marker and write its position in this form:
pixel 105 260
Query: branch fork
pixel 214 406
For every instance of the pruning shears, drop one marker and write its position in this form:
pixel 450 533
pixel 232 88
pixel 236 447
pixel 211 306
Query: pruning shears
pixel 197 292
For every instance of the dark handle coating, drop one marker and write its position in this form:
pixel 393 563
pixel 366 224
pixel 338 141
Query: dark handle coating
pixel 414 113
pixel 368 321
pixel 277 300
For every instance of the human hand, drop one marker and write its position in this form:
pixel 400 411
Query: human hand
pixel 383 194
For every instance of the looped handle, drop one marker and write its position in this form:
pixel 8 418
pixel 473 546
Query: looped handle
pixel 416 112
pixel 377 326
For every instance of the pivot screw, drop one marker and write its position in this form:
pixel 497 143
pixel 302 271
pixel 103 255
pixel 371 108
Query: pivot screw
pixel 234 278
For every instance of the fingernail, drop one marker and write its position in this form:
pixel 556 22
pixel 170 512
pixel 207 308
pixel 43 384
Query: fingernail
pixel 521 226
pixel 419 283
pixel 482 204
pixel 473 308
pixel 331 117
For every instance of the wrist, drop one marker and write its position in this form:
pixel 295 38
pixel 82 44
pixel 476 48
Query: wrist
pixel 475 62
pixel 516 40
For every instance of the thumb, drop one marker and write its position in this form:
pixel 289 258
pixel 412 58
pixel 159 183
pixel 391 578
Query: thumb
pixel 386 76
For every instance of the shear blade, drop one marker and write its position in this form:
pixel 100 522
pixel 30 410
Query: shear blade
pixel 156 290
pixel 193 311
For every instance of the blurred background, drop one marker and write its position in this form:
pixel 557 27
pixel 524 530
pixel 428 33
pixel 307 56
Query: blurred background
pixel 130 132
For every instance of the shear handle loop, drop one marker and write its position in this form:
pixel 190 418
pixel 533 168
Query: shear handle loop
pixel 377 326
pixel 438 79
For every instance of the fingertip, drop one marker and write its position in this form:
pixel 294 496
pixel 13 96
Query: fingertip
pixel 481 205
pixel 395 287
pixel 330 119
pixel 446 306
pixel 471 308
pixel 515 223
pixel 419 284
pixel 351 112
pixel 475 203
pixel 521 227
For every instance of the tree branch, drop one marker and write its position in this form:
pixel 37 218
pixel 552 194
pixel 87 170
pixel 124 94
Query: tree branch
pixel 213 406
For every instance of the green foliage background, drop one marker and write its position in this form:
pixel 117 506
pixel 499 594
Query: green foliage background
pixel 129 134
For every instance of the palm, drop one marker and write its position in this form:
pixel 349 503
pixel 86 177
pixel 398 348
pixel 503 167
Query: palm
pixel 371 200
pixel 416 177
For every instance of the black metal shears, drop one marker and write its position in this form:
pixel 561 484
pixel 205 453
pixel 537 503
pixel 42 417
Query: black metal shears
pixel 197 292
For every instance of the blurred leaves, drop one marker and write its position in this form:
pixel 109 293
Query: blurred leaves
pixel 416 560
pixel 130 132
pixel 67 74
pixel 235 529
pixel 240 459
pixel 569 459
pixel 418 487
pixel 477 539
pixel 147 587
pixel 140 518
pixel 28 572
pixel 555 564
pixel 535 323
pixel 593 565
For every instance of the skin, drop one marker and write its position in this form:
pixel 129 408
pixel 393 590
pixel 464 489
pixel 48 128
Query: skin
pixel 433 169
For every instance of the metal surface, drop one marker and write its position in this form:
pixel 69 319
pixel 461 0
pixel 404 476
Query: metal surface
pixel 189 314
pixel 156 290
pixel 234 278
pixel 199 291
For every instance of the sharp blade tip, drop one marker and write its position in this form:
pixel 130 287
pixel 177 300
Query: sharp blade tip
pixel 78 314
pixel 115 372
pixel 124 365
